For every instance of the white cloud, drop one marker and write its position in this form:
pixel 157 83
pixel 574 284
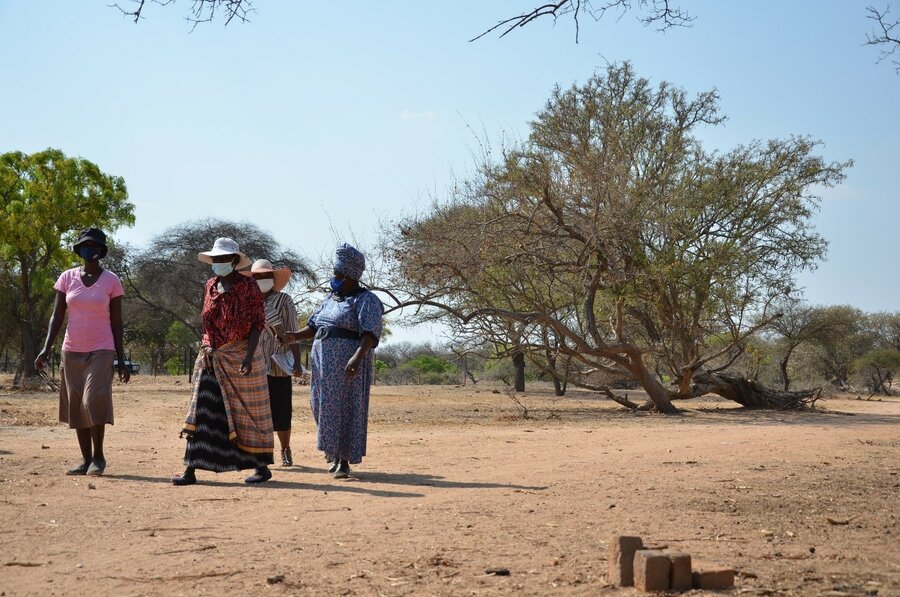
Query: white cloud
pixel 413 115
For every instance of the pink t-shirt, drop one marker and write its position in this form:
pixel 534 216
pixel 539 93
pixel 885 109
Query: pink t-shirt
pixel 89 327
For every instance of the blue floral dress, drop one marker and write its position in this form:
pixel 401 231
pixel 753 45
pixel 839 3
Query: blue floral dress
pixel 340 404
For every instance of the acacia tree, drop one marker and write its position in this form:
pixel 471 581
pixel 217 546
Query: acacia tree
pixel 46 198
pixel 799 324
pixel 614 228
pixel 167 277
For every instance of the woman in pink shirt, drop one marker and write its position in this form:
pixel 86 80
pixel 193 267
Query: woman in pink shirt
pixel 92 297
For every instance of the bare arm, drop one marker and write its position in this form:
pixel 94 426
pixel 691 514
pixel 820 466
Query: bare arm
pixel 365 345
pixel 118 331
pixel 56 321
pixel 252 341
pixel 304 334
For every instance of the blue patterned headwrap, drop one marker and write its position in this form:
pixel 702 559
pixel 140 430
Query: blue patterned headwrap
pixel 349 261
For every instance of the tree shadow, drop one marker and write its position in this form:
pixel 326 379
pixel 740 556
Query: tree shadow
pixel 275 484
pixel 817 417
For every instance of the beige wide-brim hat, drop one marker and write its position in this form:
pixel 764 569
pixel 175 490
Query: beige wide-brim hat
pixel 225 246
pixel 263 266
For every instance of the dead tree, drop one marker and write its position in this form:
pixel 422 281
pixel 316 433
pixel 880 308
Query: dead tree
pixel 751 394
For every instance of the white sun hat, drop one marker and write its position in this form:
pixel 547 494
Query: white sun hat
pixel 225 246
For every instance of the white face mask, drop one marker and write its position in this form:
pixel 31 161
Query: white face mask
pixel 265 285
pixel 222 269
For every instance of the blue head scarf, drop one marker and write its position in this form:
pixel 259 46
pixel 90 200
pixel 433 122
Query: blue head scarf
pixel 349 261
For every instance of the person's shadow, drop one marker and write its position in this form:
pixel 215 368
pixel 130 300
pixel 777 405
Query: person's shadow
pixel 274 484
pixel 350 485
pixel 414 480
pixel 423 480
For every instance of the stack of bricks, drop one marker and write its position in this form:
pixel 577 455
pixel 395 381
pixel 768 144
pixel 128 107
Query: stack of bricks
pixel 630 564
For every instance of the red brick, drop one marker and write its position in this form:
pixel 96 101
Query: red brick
pixel 620 559
pixel 680 576
pixel 714 578
pixel 651 570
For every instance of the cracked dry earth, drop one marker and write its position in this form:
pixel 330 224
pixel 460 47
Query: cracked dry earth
pixel 457 482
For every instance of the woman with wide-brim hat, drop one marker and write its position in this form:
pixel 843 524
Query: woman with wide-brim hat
pixel 92 298
pixel 282 360
pixel 346 327
pixel 229 422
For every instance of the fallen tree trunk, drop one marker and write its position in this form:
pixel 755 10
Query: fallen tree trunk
pixel 752 394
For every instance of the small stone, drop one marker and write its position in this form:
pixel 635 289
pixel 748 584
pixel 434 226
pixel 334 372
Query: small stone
pixel 497 571
pixel 651 570
pixel 91 486
pixel 275 579
pixel 680 578
pixel 620 559
pixel 714 579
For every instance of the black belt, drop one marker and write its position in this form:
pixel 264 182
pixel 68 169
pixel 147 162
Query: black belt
pixel 333 332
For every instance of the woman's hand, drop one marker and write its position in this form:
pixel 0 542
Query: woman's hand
pixel 353 364
pixel 247 365
pixel 124 373
pixel 41 359
pixel 206 355
pixel 298 369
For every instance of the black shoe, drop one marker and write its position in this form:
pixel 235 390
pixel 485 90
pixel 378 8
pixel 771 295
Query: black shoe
pixel 343 470
pixel 185 478
pixel 261 475
pixel 286 457
pixel 334 465
pixel 329 458
pixel 81 469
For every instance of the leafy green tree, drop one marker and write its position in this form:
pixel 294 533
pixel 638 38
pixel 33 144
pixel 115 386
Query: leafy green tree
pixel 614 228
pixel 877 369
pixel 844 337
pixel 430 364
pixel 46 198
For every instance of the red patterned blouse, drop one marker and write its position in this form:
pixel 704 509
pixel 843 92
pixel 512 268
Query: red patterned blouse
pixel 229 316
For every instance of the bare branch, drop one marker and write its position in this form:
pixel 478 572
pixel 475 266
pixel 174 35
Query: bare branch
pixel 659 13
pixel 201 11
pixel 885 35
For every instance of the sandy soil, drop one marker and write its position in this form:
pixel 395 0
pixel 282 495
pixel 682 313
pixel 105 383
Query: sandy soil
pixel 457 481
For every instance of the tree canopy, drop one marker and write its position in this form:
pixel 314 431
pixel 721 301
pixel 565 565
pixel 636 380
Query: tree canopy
pixel 46 198
pixel 611 227
pixel 167 278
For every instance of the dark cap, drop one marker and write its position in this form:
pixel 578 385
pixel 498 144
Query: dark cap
pixel 94 234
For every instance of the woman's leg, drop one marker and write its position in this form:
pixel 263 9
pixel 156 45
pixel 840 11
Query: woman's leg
pixel 284 438
pixel 97 432
pixel 84 442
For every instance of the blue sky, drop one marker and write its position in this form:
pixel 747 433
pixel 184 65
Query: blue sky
pixel 317 120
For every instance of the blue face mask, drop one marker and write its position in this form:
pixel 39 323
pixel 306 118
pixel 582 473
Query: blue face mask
pixel 336 285
pixel 91 254
pixel 222 269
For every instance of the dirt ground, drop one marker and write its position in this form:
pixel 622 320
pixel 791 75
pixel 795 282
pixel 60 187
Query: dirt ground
pixel 456 481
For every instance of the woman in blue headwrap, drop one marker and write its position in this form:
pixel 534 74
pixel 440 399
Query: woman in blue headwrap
pixel 346 328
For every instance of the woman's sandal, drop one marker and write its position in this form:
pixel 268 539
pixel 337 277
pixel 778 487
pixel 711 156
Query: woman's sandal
pixel 81 469
pixel 96 468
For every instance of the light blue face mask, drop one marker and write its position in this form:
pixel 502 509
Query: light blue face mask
pixel 222 269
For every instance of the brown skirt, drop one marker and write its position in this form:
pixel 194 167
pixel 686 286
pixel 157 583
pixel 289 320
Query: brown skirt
pixel 85 391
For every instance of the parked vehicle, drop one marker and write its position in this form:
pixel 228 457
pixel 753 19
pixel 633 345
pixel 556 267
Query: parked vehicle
pixel 133 368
